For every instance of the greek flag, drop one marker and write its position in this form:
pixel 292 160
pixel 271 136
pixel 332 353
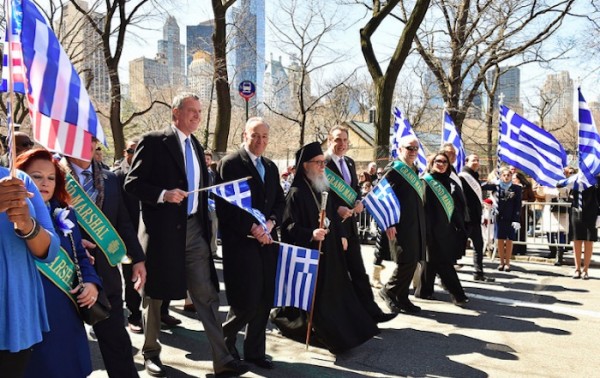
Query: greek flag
pixel 296 276
pixel 62 115
pixel 402 128
pixel 530 148
pixel 450 135
pixel 589 147
pixel 383 205
pixel 238 193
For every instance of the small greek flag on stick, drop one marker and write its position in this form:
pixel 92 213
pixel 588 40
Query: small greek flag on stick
pixel 296 276
pixel 383 205
pixel 450 135
pixel 238 193
pixel 402 128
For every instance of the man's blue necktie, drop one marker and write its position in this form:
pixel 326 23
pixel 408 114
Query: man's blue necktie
pixel 88 185
pixel 260 168
pixel 189 170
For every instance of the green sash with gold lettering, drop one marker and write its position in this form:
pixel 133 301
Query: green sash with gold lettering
pixel 410 176
pixel 61 272
pixel 94 222
pixel 442 194
pixel 340 187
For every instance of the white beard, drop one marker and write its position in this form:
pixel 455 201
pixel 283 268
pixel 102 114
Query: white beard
pixel 318 182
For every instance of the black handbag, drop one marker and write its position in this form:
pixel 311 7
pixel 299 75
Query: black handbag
pixel 101 309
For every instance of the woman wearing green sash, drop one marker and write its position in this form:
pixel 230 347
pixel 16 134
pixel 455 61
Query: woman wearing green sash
pixel 64 351
pixel 446 231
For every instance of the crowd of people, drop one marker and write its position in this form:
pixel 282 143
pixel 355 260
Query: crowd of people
pixel 57 212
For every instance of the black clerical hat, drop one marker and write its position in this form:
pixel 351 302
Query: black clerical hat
pixel 307 152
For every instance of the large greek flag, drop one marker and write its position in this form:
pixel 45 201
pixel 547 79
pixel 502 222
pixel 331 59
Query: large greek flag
pixel 450 135
pixel 383 205
pixel 238 193
pixel 62 115
pixel 589 146
pixel 530 148
pixel 296 276
pixel 402 128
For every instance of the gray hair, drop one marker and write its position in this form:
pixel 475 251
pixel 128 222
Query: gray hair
pixel 180 98
pixel 253 120
pixel 407 139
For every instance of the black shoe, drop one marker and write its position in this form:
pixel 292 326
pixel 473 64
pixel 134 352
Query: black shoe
pixel 232 368
pixel 393 305
pixel 169 321
pixel 460 302
pixel 234 352
pixel 558 263
pixel 481 277
pixel 409 308
pixel 154 367
pixel 263 362
pixel 427 297
pixel 383 317
pixel 135 326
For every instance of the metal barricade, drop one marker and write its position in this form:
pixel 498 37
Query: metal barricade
pixel 366 227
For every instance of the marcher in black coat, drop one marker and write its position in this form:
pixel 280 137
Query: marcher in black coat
pixel 340 321
pixel 446 231
pixel 507 197
pixel 249 265
pixel 345 169
pixel 114 342
pixel 407 237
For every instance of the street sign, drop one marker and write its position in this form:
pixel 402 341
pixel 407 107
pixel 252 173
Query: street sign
pixel 247 89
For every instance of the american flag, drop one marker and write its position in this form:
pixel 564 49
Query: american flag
pixel 296 276
pixel 238 193
pixel 450 135
pixel 62 115
pixel 383 205
pixel 12 43
pixel 530 148
pixel 402 128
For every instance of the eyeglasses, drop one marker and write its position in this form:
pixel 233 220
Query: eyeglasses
pixel 130 151
pixel 320 163
pixel 412 148
pixel 438 161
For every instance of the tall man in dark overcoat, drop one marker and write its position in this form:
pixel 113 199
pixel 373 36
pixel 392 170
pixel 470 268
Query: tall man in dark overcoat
pixel 113 340
pixel 407 237
pixel 167 170
pixel 345 169
pixel 249 265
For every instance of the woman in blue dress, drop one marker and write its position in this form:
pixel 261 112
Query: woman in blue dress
pixel 26 236
pixel 508 205
pixel 64 352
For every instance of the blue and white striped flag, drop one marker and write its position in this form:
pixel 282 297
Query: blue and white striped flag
pixel 296 276
pixel 450 135
pixel 530 149
pixel 238 193
pixel 383 205
pixel 589 147
pixel 402 128
pixel 62 115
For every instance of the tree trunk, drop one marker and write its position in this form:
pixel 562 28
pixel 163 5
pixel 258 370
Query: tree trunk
pixel 221 80
pixel 384 93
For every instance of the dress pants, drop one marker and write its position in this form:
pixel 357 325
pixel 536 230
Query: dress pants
pixel 114 342
pixel 448 276
pixel 397 286
pixel 133 300
pixel 203 294
pixel 255 320
pixel 477 239
pixel 359 276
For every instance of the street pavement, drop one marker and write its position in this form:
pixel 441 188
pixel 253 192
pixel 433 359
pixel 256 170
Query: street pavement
pixel 535 321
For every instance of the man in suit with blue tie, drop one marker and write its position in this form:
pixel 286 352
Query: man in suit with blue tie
pixel 167 170
pixel 344 169
pixel 249 265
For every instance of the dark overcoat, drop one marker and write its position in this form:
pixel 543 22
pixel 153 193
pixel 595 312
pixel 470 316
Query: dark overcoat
pixel 158 164
pixel 350 225
pixel 248 267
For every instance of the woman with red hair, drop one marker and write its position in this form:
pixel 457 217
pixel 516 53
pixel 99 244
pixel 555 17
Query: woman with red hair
pixel 64 351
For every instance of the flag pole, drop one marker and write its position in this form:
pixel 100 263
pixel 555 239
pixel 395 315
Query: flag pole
pixel 221 184
pixel 322 217
pixel 10 100
pixel 442 141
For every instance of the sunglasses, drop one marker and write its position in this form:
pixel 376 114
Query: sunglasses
pixel 412 148
pixel 130 151
pixel 438 161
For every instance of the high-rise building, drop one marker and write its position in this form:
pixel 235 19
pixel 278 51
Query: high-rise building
pixel 200 75
pixel 146 80
pixel 83 45
pixel 174 52
pixel 247 60
pixel 199 38
pixel 558 96
pixel 509 86
pixel 276 86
